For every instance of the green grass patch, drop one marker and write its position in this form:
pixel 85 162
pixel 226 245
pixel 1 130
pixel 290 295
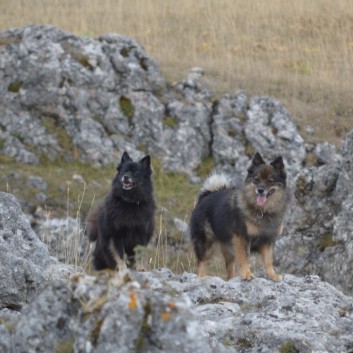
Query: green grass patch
pixel 64 140
pixel 170 122
pixel 2 143
pixel 14 86
pixel 126 107
pixel 206 166
pixel 65 195
pixel 174 191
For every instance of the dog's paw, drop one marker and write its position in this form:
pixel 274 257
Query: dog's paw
pixel 247 276
pixel 275 277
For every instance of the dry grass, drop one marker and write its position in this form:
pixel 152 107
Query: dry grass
pixel 300 52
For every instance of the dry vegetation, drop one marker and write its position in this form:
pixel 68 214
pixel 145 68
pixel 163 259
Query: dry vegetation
pixel 300 52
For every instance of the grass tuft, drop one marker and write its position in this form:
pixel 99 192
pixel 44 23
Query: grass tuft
pixel 126 106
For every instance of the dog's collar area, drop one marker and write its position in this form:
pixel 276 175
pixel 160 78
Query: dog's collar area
pixel 259 214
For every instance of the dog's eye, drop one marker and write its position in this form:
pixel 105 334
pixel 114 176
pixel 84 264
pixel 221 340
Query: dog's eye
pixel 272 182
pixel 256 180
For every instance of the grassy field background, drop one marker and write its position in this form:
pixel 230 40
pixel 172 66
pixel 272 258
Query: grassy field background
pixel 300 52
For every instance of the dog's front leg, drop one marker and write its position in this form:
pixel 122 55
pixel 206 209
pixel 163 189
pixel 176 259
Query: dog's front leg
pixel 118 255
pixel 266 252
pixel 242 252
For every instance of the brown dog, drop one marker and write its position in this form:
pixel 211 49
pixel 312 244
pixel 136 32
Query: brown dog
pixel 242 219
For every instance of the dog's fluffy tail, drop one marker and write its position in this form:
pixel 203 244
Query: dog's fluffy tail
pixel 216 182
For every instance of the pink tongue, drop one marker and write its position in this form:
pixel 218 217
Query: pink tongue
pixel 261 200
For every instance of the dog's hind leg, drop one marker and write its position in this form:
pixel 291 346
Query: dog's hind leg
pixel 229 258
pixel 203 250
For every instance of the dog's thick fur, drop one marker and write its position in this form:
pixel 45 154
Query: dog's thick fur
pixel 126 218
pixel 241 219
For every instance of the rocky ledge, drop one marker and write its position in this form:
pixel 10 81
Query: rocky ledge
pixel 162 312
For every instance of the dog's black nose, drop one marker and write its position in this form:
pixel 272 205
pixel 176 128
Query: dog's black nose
pixel 260 191
pixel 125 179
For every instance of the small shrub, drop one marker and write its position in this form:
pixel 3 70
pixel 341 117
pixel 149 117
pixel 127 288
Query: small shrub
pixel 170 122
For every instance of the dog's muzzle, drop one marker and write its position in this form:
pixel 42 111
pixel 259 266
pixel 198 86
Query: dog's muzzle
pixel 127 182
pixel 262 196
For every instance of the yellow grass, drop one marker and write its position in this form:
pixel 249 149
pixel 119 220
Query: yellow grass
pixel 297 51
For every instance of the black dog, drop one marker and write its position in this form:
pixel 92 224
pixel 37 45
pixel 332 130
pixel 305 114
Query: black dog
pixel 126 218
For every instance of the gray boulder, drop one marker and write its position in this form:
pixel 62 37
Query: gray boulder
pixel 187 137
pixel 25 262
pixel 271 130
pixel 229 147
pixel 243 125
pixel 23 257
pixel 317 235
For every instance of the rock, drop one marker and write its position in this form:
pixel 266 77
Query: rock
pixel 23 256
pixel 243 125
pixel 59 86
pixel 37 182
pixel 192 87
pixel 315 239
pixel 25 262
pixel 229 143
pixel 271 130
pixel 67 97
pixel 186 136
pixel 65 240
pixel 305 313
pixel 108 313
pixel 161 312
pixel 326 154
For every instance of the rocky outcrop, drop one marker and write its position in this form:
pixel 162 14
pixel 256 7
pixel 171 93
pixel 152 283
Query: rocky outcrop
pixel 25 263
pixel 243 125
pixel 161 312
pixel 68 97
pixel 317 238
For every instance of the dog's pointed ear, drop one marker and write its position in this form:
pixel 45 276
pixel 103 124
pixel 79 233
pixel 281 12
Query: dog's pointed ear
pixel 125 158
pixel 278 165
pixel 255 162
pixel 146 162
